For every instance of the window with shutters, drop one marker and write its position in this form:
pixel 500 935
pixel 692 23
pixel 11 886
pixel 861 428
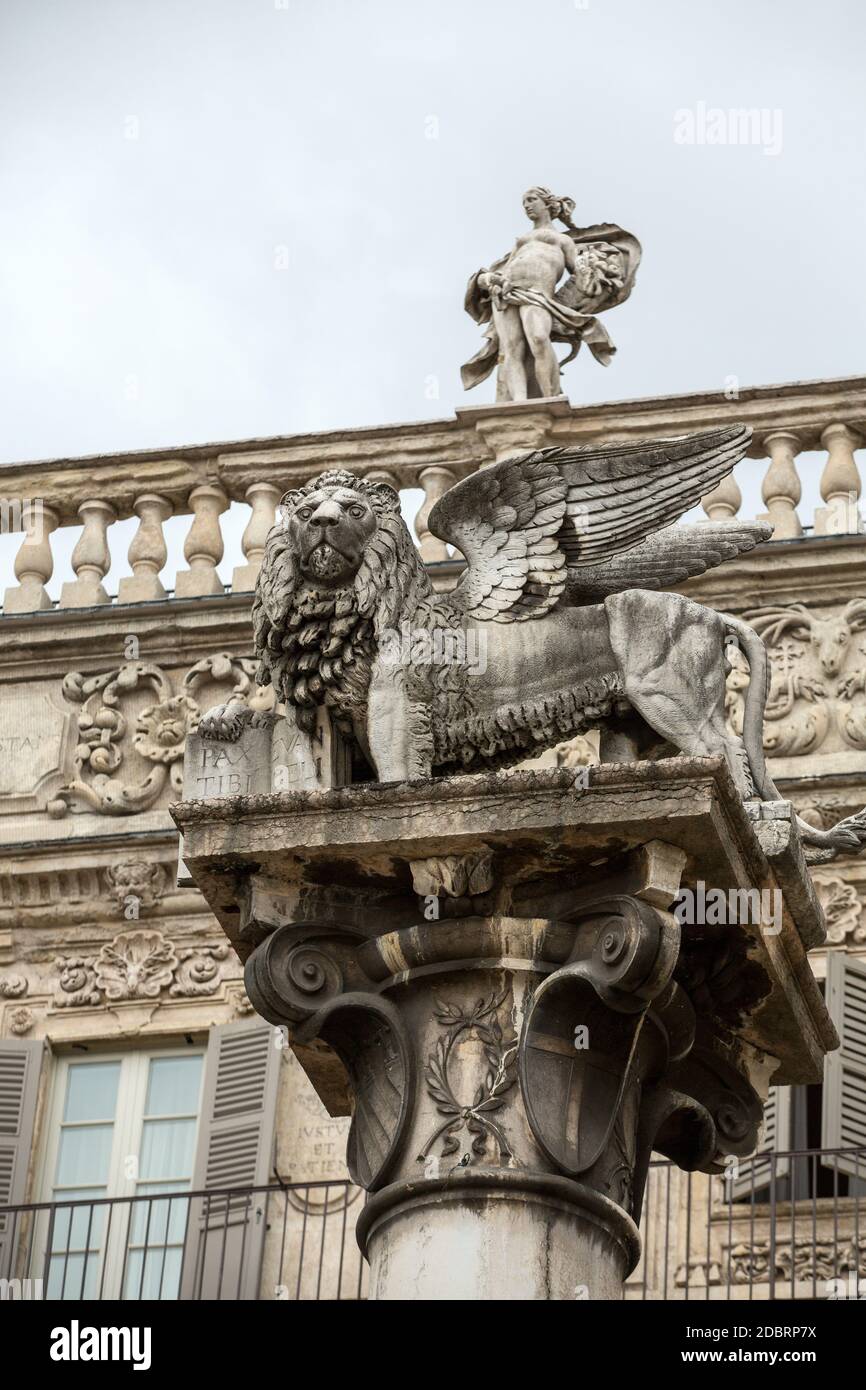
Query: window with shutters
pixel 122 1125
pixel 20 1064
pixel 814 1138
pixel 844 1107
pixel 235 1157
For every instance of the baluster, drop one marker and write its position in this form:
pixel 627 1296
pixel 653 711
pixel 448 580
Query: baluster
pixel 203 546
pixel 840 484
pixel 781 486
pixel 34 563
pixel 382 475
pixel 263 498
pixel 435 480
pixel 147 551
pixel 91 558
pixel 724 501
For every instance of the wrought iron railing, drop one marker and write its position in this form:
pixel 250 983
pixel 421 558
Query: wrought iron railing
pixel 790 1225
pixel 288 1241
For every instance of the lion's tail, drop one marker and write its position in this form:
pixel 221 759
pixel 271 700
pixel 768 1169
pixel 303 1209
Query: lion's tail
pixel 850 834
pixel 756 699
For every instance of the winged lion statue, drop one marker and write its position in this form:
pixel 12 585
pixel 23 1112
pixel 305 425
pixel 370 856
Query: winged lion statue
pixel 564 600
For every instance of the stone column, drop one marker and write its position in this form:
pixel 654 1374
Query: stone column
pixel 487 975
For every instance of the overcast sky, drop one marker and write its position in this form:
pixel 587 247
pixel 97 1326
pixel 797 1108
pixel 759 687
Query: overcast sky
pixel 232 218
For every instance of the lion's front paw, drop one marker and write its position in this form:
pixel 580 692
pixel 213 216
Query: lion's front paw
pixel 264 719
pixel 225 723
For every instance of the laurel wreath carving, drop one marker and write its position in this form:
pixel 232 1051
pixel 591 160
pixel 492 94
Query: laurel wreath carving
pixel 501 1053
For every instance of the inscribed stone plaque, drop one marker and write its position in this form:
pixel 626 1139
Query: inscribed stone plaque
pixel 312 1144
pixel 31 739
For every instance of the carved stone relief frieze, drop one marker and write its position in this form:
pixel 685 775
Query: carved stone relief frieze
pixel 756 1261
pixel 140 965
pixel 817 700
pixel 128 887
pixel 108 732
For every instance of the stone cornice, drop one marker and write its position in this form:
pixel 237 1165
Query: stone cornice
pixel 472 436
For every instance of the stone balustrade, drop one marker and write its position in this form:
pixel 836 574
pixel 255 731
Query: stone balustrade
pixel 789 422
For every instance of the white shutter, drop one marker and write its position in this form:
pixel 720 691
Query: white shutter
pixel 236 1134
pixel 20 1063
pixel 757 1172
pixel 844 1113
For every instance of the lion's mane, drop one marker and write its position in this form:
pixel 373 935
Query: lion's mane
pixel 316 645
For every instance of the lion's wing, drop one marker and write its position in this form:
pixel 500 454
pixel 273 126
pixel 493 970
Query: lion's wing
pixel 528 525
pixel 666 559
pixel 506 520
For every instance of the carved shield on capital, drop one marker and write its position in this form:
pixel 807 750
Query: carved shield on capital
pixel 575 1066
pixel 372 1043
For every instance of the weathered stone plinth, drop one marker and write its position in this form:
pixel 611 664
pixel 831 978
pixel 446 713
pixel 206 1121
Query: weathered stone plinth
pixel 486 972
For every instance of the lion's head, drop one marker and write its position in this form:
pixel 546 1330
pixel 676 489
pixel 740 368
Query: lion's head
pixel 339 567
pixel 329 524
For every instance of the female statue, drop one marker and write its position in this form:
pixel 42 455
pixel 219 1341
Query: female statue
pixel 529 306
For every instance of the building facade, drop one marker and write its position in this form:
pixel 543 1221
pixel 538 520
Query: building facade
pixel 133 1071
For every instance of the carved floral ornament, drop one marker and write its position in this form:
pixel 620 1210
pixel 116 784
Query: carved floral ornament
pixel 818 678
pixel 139 965
pixel 103 782
pixel 18 1020
pixel 477 1115
pixel 131 881
pixel 843 910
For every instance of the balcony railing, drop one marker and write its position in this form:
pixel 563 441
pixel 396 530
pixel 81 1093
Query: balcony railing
pixel 789 1224
pixel 792 1225
pixel 150 489
pixel 290 1241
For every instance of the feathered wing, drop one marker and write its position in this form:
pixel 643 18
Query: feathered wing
pixel 506 521
pixel 528 526
pixel 666 559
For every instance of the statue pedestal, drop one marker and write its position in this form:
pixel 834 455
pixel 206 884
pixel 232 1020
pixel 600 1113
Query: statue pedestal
pixel 487 973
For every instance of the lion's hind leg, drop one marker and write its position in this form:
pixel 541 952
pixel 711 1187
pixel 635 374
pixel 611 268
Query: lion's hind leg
pixel 670 652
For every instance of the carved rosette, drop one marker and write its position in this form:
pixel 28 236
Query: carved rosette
pixel 843 910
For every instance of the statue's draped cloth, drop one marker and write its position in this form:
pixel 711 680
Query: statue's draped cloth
pixel 608 259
